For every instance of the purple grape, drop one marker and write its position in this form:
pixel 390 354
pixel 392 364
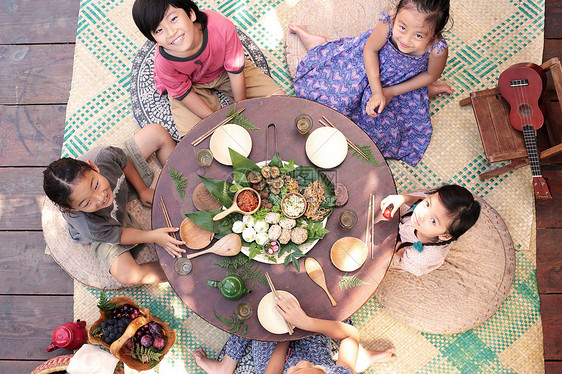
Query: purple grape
pixel 129 344
pixel 159 343
pixel 146 341
pixel 155 328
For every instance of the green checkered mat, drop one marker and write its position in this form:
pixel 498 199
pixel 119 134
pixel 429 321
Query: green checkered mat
pixel 487 37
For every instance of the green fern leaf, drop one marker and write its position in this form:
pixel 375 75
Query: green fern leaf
pixel 240 120
pixel 367 150
pixel 179 180
pixel 350 281
pixel 105 305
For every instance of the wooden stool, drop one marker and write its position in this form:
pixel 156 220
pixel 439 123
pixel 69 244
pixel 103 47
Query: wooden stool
pixel 500 140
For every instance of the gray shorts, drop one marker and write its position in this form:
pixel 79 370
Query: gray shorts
pixel 107 252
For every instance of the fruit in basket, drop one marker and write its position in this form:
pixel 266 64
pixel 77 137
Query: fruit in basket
pixel 146 340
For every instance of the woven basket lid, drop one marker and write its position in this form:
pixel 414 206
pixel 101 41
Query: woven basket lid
pixel 466 290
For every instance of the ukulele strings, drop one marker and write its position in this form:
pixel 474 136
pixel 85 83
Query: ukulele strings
pixel 521 98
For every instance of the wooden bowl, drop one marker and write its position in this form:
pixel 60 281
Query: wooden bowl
pixel 288 196
pixel 119 349
pixel 194 236
pixel 269 317
pixel 348 253
pixel 203 200
pixel 118 301
pixel 234 208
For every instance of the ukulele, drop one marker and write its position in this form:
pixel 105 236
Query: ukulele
pixel 521 86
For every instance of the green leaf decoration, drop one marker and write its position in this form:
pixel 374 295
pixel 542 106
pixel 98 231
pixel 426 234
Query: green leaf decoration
pixel 349 281
pixel 242 164
pixel 244 267
pixel 219 189
pixel 105 305
pixel 240 120
pixel 276 161
pixel 179 180
pixel 146 355
pixel 287 168
pixel 98 331
pixel 204 219
pixel 233 323
pixel 367 150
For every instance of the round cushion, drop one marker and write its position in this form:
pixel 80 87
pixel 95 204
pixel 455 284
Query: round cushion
pixel 77 259
pixel 465 291
pixel 327 18
pixel 151 107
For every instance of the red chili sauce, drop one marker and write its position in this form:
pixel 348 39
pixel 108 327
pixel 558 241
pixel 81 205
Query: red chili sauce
pixel 247 201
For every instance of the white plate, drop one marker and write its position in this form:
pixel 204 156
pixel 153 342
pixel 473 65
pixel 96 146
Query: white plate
pixel 230 136
pixel 305 247
pixel 269 317
pixel 326 147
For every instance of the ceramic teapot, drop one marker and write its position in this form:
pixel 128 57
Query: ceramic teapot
pixel 71 336
pixel 231 287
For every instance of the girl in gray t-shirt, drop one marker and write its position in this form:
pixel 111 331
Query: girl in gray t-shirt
pixel 92 193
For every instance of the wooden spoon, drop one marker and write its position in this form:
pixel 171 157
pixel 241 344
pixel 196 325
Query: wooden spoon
pixel 234 207
pixel 315 272
pixel 229 245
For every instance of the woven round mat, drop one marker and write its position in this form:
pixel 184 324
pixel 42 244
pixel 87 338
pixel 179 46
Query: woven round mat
pixel 465 291
pixel 151 107
pixel 328 18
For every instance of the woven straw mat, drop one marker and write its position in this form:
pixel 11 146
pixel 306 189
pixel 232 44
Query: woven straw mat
pixel 487 37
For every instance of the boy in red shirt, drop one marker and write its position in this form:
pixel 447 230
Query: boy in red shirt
pixel 198 51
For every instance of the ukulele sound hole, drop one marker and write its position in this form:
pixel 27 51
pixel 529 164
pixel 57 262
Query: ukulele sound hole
pixel 525 111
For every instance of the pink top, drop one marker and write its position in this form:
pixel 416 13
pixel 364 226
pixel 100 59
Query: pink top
pixel 417 263
pixel 220 51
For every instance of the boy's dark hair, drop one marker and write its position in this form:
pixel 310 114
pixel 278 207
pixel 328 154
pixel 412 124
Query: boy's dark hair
pixel 60 176
pixel 437 12
pixel 461 206
pixel 148 14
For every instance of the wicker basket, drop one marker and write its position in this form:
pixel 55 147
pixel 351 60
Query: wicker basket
pixel 118 348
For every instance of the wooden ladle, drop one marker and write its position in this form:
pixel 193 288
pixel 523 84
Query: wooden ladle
pixel 229 245
pixel 234 207
pixel 315 272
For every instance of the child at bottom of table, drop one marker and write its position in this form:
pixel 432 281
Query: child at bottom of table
pixel 198 52
pixel 307 355
pixel 92 193
pixel 380 78
pixel 429 223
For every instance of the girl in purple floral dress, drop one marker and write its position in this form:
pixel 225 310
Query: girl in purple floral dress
pixel 387 95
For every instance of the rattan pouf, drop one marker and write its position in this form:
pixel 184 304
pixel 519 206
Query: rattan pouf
pixel 327 18
pixel 77 259
pixel 465 291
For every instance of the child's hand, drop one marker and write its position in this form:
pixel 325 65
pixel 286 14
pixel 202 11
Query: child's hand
pixel 291 311
pixel 395 200
pixel 164 240
pixel 376 104
pixel 146 195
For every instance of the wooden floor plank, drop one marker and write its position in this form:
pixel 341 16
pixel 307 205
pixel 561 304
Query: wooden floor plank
pixel 27 324
pixel 26 269
pixel 549 260
pixel 19 366
pixel 552 326
pixel 32 21
pixel 21 198
pixel 553 367
pixel 31 134
pixel 553 19
pixel 35 74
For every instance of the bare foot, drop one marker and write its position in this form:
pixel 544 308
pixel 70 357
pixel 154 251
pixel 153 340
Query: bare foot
pixel 227 365
pixel 308 40
pixel 438 88
pixel 367 358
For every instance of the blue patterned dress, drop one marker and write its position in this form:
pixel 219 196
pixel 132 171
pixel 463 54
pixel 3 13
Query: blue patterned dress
pixel 334 74
pixel 315 349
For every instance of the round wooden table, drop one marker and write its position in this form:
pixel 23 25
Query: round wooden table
pixel 360 178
